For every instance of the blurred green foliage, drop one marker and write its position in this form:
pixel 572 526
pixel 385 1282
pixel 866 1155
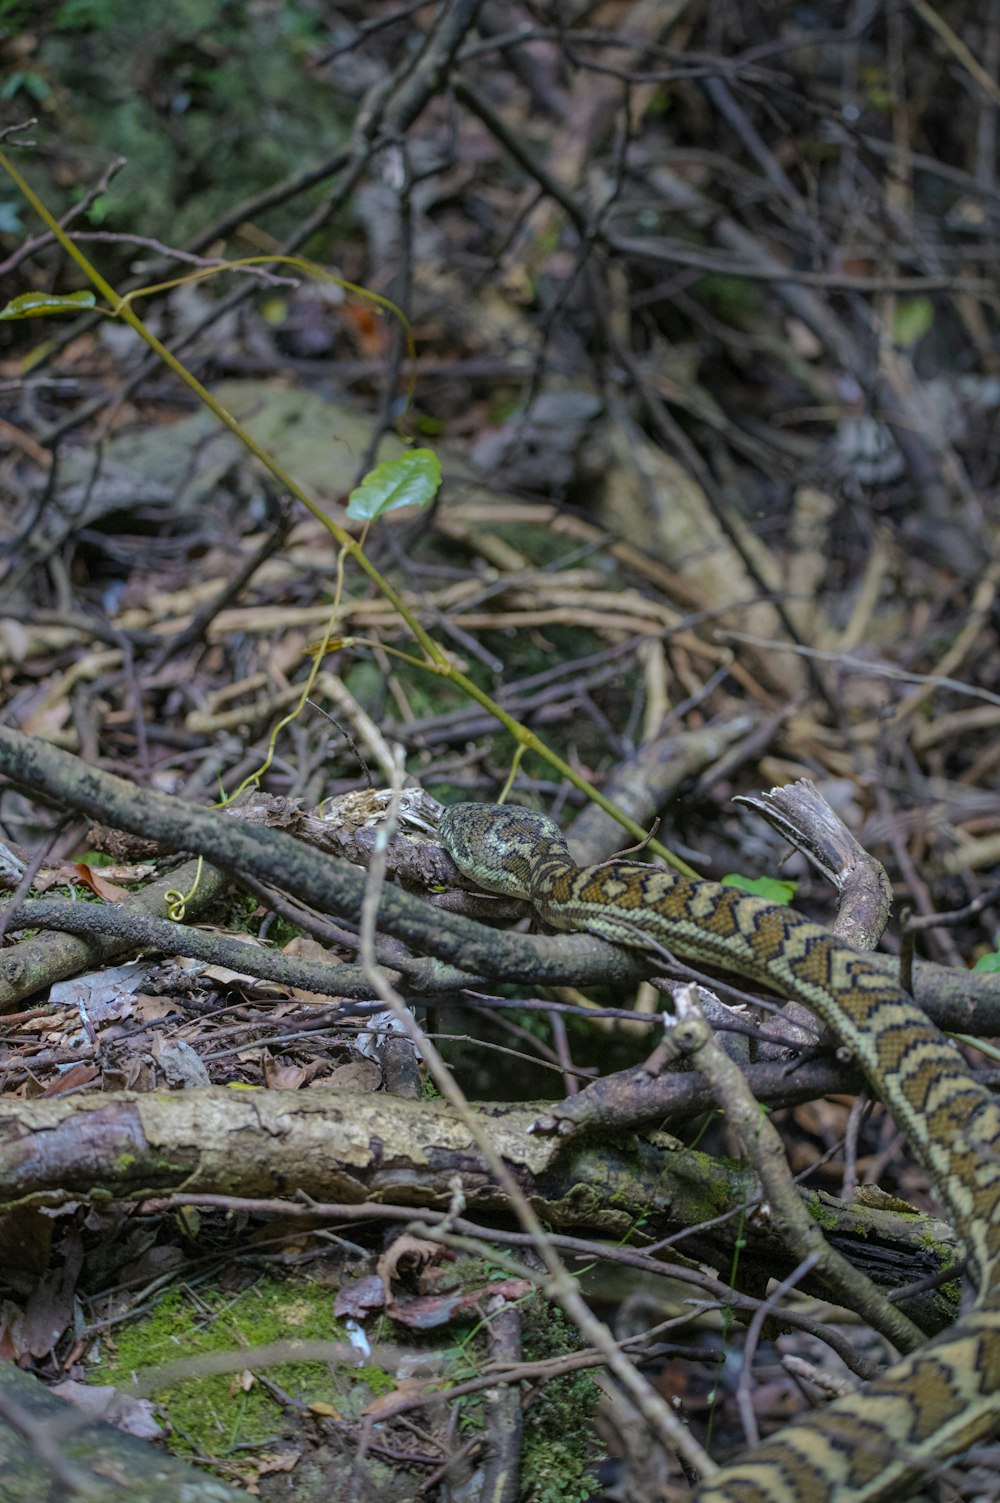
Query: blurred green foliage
pixel 209 100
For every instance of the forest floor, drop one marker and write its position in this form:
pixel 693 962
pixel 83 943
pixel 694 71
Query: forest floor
pixel 703 322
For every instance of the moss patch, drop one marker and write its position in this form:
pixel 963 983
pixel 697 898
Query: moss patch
pixel 560 1449
pixel 215 1414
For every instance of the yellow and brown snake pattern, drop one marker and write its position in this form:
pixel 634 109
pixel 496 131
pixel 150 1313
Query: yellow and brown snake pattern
pixel 880 1442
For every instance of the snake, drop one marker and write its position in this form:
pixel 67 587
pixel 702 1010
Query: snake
pixel 882 1440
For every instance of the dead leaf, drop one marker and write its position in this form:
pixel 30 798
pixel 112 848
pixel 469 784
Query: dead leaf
pixel 407 1256
pixel 49 1309
pixel 25 1245
pixel 304 947
pixel 359 1297
pixel 283 1461
pixel 109 891
pixel 388 1403
pixel 47 719
pixel 281 1077
pixel 153 1009
pixel 11 1331
pixel 102 996
pixel 428 1311
pixel 14 640
pixel 360 1075
pixel 181 1066
pixel 134 1416
pixel 76 1076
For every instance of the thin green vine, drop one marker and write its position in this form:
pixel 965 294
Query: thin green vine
pixel 435 660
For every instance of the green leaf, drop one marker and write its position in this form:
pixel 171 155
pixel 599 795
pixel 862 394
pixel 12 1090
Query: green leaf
pixel 31 84
pixel 105 206
pixel 989 962
pixel 914 316
pixel 41 304
pixel 762 887
pixel 411 480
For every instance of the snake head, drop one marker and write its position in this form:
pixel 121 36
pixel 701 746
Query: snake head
pixel 499 847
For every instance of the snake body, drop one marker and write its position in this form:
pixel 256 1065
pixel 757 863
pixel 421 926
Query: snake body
pixel 879 1442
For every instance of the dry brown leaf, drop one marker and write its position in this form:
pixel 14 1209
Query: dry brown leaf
pixel 75 1077
pixel 408 1255
pixel 284 1461
pixel 99 883
pixel 360 1075
pixel 282 1077
pixel 388 1403
pixel 359 1297
pixel 133 1416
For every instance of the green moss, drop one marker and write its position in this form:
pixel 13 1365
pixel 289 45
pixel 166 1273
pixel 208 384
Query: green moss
pixel 945 1257
pixel 559 1450
pixel 555 1472
pixel 211 73
pixel 823 1215
pixel 733 299
pixel 281 933
pixel 927 1240
pixel 238 913
pixel 214 1414
pixel 376 1379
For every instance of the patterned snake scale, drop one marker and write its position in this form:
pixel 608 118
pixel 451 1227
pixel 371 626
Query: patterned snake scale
pixel 883 1440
